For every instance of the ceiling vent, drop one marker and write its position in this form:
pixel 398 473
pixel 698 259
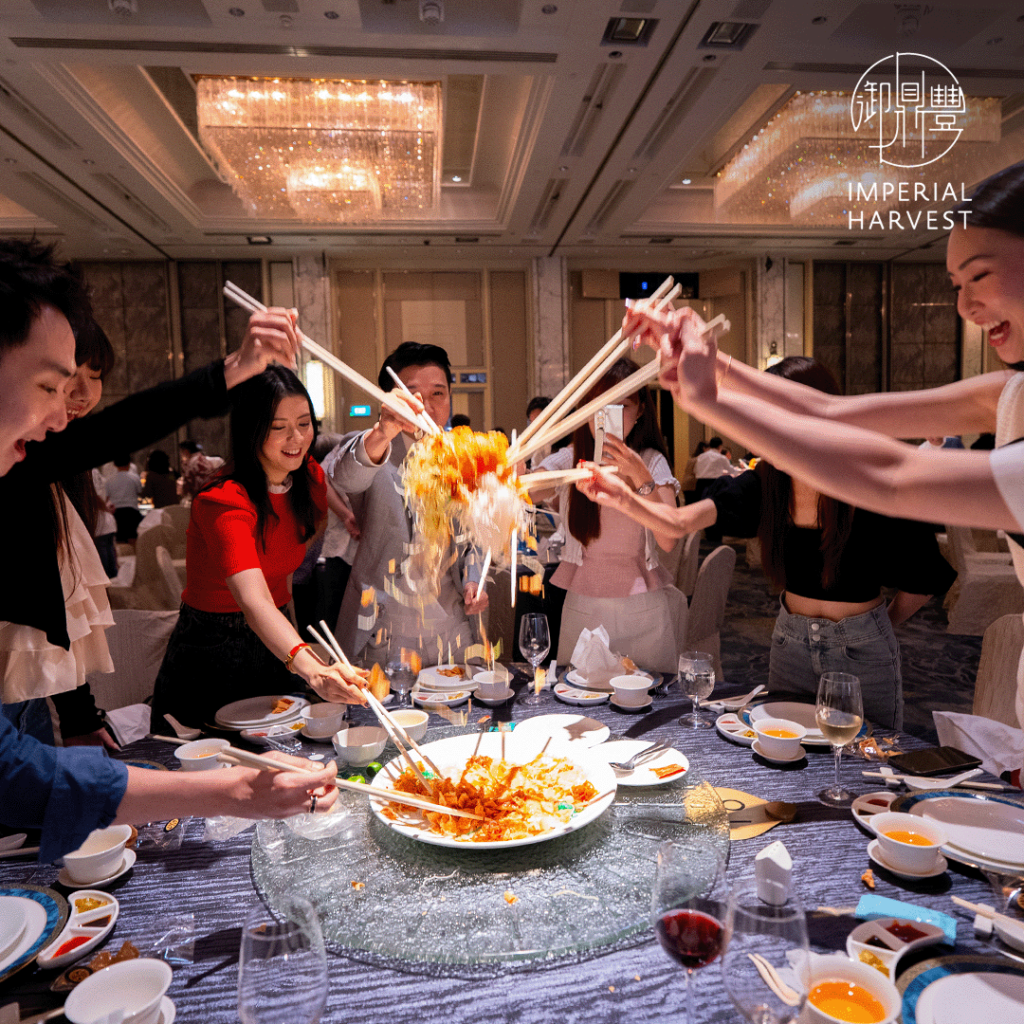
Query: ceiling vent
pixel 69 206
pixel 12 99
pixel 628 31
pixel 611 203
pixel 460 240
pixel 661 240
pixel 546 206
pixel 728 35
pixel 119 192
pixel 692 88
pixel 602 85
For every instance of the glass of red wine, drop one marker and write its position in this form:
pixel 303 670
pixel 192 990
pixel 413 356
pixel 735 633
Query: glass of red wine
pixel 688 905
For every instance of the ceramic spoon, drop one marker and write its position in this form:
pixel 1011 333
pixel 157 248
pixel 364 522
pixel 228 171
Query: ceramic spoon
pixel 915 782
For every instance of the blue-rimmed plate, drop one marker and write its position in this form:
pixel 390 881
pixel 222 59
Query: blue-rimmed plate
pixel 45 914
pixel 794 711
pixel 964 989
pixel 984 831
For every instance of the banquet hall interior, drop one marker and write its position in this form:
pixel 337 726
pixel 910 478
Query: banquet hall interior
pixel 516 168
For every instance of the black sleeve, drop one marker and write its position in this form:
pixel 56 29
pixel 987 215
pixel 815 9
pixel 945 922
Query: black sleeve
pixel 77 711
pixel 738 503
pixel 133 423
pixel 914 563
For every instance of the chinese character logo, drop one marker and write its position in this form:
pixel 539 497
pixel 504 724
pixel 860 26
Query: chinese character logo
pixel 909 104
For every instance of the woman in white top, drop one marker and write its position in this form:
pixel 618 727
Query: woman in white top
pixel 609 565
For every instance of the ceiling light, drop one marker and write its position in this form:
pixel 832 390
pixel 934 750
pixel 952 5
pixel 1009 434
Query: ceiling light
pixel 548 9
pixel 687 181
pixel 123 8
pixel 323 149
pixel 331 15
pixel 432 11
pixel 626 30
pixel 258 239
pixel 456 177
pixel 728 35
pixel 236 12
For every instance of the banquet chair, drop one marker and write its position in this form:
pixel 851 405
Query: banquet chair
pixel 707 607
pixel 146 589
pixel 169 582
pixel 137 642
pixel 986 586
pixel 995 686
pixel 686 574
pixel 177 516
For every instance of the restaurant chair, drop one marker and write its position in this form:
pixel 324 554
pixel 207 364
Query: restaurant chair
pixel 169 583
pixel 137 642
pixel 995 686
pixel 686 574
pixel 986 586
pixel 707 608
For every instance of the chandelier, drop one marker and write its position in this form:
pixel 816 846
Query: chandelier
pixel 799 167
pixel 326 150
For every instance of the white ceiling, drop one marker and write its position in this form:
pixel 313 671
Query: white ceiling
pixel 566 145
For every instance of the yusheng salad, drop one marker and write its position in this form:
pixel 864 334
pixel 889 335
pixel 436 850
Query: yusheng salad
pixel 515 800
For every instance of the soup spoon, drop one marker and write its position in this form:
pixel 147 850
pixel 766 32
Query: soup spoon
pixel 917 782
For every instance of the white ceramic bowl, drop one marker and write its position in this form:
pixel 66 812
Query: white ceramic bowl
pixel 412 721
pixel 201 755
pixel 778 746
pixel 358 745
pixel 905 856
pixel 133 986
pixel 322 721
pixel 630 689
pixel 834 968
pixel 99 856
pixel 491 684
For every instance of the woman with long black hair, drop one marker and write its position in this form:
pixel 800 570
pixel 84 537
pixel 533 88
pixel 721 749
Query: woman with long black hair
pixel 246 536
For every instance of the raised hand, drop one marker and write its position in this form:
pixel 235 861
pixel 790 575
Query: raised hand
pixel 270 337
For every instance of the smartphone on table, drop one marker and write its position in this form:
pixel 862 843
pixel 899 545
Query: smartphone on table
pixel 934 761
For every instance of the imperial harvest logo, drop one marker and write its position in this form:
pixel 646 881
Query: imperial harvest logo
pixel 910 105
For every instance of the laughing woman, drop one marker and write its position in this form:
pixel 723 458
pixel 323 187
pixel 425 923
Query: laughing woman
pixel 247 535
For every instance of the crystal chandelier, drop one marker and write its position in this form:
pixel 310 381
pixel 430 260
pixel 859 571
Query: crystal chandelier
pixel 326 150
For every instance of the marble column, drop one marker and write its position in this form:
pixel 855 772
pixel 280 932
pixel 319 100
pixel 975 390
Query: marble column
pixel 550 285
pixel 313 297
pixel 770 322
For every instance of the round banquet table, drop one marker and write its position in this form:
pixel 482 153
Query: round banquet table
pixel 622 976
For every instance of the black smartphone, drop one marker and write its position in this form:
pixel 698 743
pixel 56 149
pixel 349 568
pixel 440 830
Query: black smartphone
pixel 934 761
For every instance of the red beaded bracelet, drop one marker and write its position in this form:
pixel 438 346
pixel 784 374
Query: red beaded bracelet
pixel 291 656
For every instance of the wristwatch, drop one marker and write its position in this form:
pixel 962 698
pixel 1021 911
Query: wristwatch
pixel 644 489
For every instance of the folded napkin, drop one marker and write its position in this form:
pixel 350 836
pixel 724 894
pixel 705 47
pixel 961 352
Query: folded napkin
pixel 593 659
pixel 999 746
pixel 130 723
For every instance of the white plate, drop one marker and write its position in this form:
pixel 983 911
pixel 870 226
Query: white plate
pixel 437 698
pixel 454 752
pixel 258 711
pixel 778 760
pixel 802 714
pixel 571 695
pixel 101 883
pixel 975 825
pixel 13 919
pixel 262 734
pixel 80 925
pixel 643 774
pixel 864 810
pixel 875 853
pixel 432 678
pixel 983 998
pixel 565 728
pixel 35 917
pixel 493 702
pixel 733 729
pixel 634 708
pixel 603 685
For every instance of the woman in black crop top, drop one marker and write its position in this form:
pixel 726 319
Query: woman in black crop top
pixel 829 559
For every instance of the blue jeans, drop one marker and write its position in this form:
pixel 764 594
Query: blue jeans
pixel 864 645
pixel 213 659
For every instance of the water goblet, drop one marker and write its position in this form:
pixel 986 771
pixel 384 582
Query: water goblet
pixel 765 943
pixel 840 714
pixel 535 643
pixel 697 680
pixel 401 677
pixel 688 904
pixel 282 966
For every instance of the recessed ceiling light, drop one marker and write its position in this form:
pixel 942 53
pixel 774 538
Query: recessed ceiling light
pixel 563 168
pixel 615 54
pixel 331 15
pixel 456 177
pixel 548 9
pixel 710 58
pixel 994 42
pixel 88 162
pixel 236 12
pixel 686 181
pixel 819 20
pixel 258 239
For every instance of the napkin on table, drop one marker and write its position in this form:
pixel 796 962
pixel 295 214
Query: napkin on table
pixel 1000 746
pixel 593 659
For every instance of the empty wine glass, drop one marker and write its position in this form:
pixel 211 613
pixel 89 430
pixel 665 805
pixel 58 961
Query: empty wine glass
pixel 535 643
pixel 401 677
pixel 840 714
pixel 688 904
pixel 282 966
pixel 767 944
pixel 697 680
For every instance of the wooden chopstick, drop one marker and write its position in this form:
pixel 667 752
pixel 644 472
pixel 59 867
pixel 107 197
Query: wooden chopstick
pixel 21 851
pixel 400 409
pixel 548 477
pixel 168 739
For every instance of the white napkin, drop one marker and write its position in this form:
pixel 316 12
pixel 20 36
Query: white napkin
pixel 130 723
pixel 592 657
pixel 773 869
pixel 1000 746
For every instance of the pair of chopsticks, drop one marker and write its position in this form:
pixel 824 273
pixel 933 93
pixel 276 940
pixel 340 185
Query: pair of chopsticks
pixel 998 787
pixel 236 756
pixel 985 911
pixel 400 409
pixel 427 424
pixel 395 730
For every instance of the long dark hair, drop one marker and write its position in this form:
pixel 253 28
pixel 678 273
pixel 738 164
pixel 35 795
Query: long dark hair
pixel 584 515
pixel 835 518
pixel 253 404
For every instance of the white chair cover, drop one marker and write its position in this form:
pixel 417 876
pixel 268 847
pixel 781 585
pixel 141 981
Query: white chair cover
pixel 707 609
pixel 137 642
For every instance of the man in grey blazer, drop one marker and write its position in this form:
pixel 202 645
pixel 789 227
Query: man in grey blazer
pixel 367 470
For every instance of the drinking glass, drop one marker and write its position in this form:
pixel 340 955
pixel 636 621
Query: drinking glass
pixel 401 677
pixel 282 966
pixel 840 715
pixel 535 643
pixel 775 936
pixel 696 680
pixel 688 906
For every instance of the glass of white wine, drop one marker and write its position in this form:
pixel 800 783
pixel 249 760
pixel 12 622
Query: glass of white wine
pixel 697 680
pixel 840 715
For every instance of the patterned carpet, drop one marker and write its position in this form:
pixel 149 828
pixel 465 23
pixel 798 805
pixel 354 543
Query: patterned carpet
pixel 938 667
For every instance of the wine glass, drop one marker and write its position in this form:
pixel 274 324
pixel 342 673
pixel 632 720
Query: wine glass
pixel 763 936
pixel 696 680
pixel 688 906
pixel 401 677
pixel 535 643
pixel 282 966
pixel 840 715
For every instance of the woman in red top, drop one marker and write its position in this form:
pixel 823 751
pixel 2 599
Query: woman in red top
pixel 247 535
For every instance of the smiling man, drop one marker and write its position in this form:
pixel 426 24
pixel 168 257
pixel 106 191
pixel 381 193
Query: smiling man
pixel 366 468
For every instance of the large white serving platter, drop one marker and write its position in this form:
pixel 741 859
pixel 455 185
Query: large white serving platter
pixel 255 712
pixel 433 678
pixel 577 729
pixel 452 754
pixel 976 998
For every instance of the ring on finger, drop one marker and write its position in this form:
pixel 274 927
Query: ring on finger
pixel 312 803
